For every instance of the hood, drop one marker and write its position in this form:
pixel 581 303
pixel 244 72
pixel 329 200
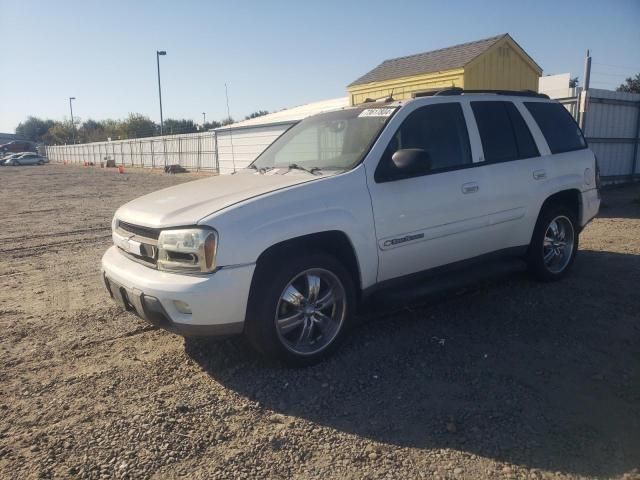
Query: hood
pixel 190 202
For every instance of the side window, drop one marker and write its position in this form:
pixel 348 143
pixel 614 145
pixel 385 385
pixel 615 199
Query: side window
pixel 526 145
pixel 558 126
pixel 438 129
pixel 504 134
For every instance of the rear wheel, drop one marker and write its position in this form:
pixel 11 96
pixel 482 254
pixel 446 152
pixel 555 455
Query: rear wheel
pixel 41 162
pixel 554 243
pixel 298 311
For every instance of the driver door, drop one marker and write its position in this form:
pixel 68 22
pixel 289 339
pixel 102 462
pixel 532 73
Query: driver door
pixel 437 216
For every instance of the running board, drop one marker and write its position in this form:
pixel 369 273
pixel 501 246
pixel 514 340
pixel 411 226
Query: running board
pixel 433 284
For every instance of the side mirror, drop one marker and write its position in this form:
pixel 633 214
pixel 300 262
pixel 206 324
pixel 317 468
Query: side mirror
pixel 411 160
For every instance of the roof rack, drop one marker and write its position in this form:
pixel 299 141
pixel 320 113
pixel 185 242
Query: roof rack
pixel 461 91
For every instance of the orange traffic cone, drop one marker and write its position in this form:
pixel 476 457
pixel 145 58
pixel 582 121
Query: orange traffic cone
pixel 121 169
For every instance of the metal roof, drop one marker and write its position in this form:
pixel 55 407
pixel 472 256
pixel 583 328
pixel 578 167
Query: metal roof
pixel 434 61
pixel 290 115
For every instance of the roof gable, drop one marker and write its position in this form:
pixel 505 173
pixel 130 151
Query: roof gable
pixel 428 62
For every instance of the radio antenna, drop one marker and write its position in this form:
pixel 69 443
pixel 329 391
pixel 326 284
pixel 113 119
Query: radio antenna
pixel 233 158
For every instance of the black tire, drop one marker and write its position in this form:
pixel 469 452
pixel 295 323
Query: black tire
pixel 41 162
pixel 273 275
pixel 538 267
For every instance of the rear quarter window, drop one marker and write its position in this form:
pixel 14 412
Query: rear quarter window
pixel 558 126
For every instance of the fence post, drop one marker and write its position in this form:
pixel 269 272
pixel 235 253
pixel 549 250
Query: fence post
pixel 634 163
pixel 199 152
pixel 180 151
pixel 153 160
pixel 585 92
pixel 164 150
pixel 215 152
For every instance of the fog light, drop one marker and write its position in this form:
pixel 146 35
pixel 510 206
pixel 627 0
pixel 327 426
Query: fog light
pixel 182 307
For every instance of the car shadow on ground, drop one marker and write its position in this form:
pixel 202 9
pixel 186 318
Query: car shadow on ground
pixel 545 376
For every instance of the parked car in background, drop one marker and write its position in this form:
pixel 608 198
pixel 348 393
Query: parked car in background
pixel 18 146
pixel 9 156
pixel 25 158
pixel 348 204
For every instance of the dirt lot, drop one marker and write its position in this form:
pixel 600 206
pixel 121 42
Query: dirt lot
pixel 514 379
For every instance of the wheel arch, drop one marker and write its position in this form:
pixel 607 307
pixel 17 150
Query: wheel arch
pixel 570 197
pixel 333 242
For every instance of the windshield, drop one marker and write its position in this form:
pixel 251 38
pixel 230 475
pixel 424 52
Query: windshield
pixel 329 141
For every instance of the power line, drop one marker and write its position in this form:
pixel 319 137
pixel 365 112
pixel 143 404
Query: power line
pixel 609 74
pixel 617 66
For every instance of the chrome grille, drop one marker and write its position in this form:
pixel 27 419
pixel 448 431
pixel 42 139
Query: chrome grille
pixel 147 237
pixel 139 231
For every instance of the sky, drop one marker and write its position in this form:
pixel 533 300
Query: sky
pixel 271 54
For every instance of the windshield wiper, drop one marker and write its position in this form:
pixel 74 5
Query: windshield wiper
pixel 312 170
pixel 261 169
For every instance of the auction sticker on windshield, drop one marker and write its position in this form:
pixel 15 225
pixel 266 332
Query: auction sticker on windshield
pixel 376 112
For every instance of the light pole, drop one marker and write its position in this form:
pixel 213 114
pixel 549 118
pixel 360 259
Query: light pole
pixel 204 118
pixel 158 53
pixel 73 125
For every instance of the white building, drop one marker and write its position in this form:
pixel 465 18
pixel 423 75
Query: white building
pixel 240 143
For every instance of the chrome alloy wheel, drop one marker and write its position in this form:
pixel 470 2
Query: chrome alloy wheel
pixel 558 244
pixel 311 311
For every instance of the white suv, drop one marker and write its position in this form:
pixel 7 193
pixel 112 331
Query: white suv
pixel 347 203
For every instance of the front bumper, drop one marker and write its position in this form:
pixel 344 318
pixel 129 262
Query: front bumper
pixel 218 301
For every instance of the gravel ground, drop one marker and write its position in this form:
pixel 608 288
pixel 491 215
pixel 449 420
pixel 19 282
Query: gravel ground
pixel 510 379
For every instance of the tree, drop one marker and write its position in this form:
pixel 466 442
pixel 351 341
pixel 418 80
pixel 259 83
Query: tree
pixel 573 82
pixel 172 126
pixel 226 121
pixel 256 114
pixel 211 125
pixel 59 134
pixel 91 131
pixel 630 85
pixel 137 125
pixel 34 128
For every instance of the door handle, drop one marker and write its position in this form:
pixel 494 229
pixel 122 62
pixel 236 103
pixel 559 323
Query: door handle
pixel 539 174
pixel 471 187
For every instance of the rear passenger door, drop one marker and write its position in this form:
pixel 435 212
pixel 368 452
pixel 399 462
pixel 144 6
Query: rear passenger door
pixel 514 169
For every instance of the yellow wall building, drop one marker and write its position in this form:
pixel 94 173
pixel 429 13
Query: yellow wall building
pixel 496 63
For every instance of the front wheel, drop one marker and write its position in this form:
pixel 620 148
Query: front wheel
pixel 299 310
pixel 554 243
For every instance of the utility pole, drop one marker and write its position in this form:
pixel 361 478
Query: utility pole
pixel 73 125
pixel 585 90
pixel 204 118
pixel 158 53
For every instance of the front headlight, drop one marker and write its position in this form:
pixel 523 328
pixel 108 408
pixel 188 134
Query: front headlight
pixel 189 250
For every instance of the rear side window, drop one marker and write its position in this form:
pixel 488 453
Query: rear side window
pixel 504 134
pixel 526 146
pixel 558 126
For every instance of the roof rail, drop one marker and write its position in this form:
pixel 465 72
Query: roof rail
pixel 460 91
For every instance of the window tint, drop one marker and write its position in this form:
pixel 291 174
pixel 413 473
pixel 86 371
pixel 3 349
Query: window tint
pixel 438 129
pixel 557 126
pixel 504 134
pixel 526 146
